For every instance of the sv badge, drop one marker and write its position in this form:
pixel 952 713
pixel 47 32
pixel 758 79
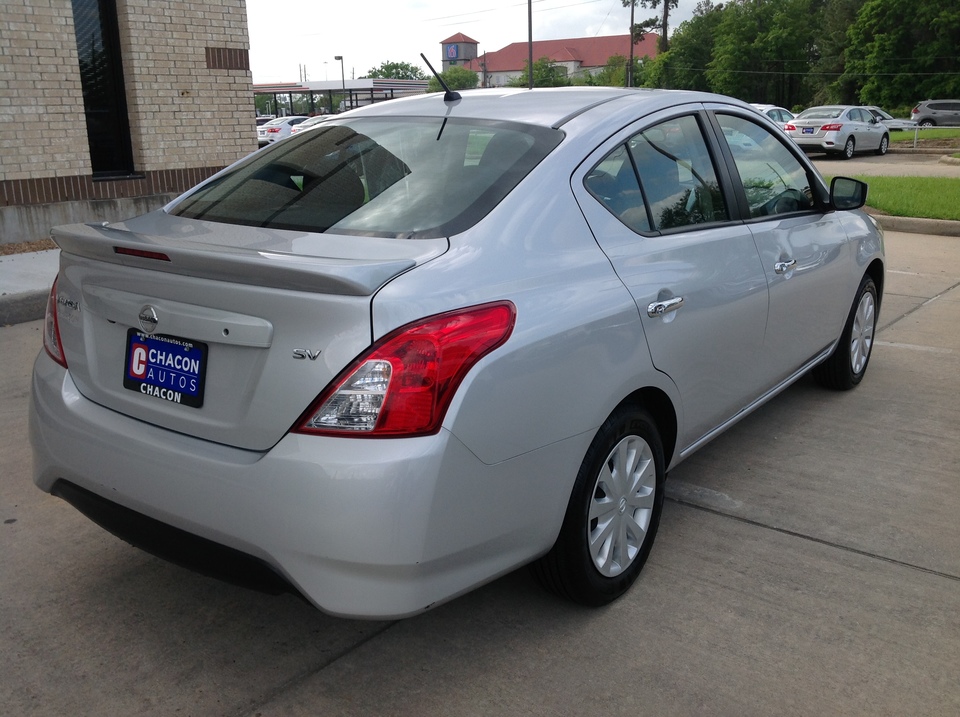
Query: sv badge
pixel 301 354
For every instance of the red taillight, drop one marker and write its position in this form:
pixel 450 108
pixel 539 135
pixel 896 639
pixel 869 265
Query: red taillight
pixel 273 130
pixel 831 128
pixel 915 110
pixel 51 328
pixel 790 127
pixel 403 385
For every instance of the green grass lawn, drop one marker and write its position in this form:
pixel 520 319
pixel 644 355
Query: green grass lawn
pixel 925 133
pixel 927 197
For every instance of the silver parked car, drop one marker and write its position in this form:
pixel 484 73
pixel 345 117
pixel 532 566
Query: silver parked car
pixel 839 129
pixel 932 113
pixel 423 344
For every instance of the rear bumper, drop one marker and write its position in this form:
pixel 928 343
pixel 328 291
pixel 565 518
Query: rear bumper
pixel 362 528
pixel 830 142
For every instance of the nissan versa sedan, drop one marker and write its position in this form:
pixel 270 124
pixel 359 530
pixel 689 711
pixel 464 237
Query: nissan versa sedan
pixel 427 342
pixel 841 129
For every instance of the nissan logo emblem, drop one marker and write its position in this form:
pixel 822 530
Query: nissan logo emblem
pixel 148 319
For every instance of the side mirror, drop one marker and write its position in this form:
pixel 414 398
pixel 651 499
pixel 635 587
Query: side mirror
pixel 847 193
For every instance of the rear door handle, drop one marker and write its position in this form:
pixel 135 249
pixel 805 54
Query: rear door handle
pixel 782 267
pixel 659 308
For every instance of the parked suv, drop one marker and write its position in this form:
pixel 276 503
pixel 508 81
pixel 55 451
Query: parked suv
pixel 937 112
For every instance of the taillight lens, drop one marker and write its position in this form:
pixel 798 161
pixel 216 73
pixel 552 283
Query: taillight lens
pixel 789 126
pixel 51 328
pixel 273 130
pixel 915 110
pixel 831 127
pixel 403 385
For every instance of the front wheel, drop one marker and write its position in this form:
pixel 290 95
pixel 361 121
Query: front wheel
pixel 848 362
pixel 613 513
pixel 849 147
pixel 884 145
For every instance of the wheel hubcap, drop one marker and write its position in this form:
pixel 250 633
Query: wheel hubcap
pixel 622 506
pixel 861 337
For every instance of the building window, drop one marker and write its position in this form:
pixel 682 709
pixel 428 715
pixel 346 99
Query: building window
pixel 101 76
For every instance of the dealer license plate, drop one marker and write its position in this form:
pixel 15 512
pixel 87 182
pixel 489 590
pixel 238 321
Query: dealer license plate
pixel 166 368
pixel 807 130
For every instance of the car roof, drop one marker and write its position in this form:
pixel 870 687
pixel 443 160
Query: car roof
pixel 549 107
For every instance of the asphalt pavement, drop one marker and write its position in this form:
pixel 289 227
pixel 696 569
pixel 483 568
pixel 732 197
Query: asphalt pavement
pixel 808 563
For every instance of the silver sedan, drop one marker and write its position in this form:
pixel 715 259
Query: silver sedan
pixel 425 343
pixel 839 129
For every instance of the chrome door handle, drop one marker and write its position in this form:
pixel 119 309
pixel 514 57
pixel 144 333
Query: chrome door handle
pixel 659 308
pixel 782 267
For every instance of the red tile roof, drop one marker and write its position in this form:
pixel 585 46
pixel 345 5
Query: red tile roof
pixel 459 37
pixel 588 51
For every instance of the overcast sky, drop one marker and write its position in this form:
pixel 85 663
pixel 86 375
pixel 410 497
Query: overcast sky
pixel 285 34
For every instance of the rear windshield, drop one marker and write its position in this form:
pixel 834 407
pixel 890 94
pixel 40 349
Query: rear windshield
pixel 399 177
pixel 821 113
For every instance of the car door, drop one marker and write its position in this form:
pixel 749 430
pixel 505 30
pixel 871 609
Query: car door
pixel 870 130
pixel 656 205
pixel 802 247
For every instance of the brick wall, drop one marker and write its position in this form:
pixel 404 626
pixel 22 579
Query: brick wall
pixel 189 94
pixel 42 127
pixel 189 105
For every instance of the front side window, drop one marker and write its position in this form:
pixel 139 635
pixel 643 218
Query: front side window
pixel 660 179
pixel 409 178
pixel 774 180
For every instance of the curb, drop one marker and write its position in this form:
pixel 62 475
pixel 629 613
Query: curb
pixel 26 306
pixel 913 225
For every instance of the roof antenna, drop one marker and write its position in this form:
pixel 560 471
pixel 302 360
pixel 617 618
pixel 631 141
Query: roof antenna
pixel 448 96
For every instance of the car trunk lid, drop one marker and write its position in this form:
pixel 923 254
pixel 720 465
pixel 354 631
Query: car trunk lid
pixel 221 332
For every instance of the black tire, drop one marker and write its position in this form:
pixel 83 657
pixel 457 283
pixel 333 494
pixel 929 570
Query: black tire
pixel 849 148
pixel 884 145
pixel 848 362
pixel 928 123
pixel 594 571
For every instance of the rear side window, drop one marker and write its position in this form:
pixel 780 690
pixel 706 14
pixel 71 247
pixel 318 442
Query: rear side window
pixel 400 177
pixel 774 180
pixel 662 178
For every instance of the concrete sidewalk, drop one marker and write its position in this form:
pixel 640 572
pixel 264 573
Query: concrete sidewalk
pixel 25 279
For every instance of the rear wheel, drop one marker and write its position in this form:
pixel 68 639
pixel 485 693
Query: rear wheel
pixel 613 513
pixel 848 362
pixel 928 123
pixel 849 147
pixel 884 145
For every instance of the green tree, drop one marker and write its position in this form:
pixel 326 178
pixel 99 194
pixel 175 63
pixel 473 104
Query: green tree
pixel 901 51
pixel 545 74
pixel 457 78
pixel 763 50
pixel 660 25
pixel 396 71
pixel 684 65
pixel 826 83
pixel 613 74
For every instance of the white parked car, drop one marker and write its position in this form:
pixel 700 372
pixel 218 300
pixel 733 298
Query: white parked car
pixel 839 129
pixel 277 129
pixel 433 340
pixel 780 115
pixel 891 122
pixel 308 123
